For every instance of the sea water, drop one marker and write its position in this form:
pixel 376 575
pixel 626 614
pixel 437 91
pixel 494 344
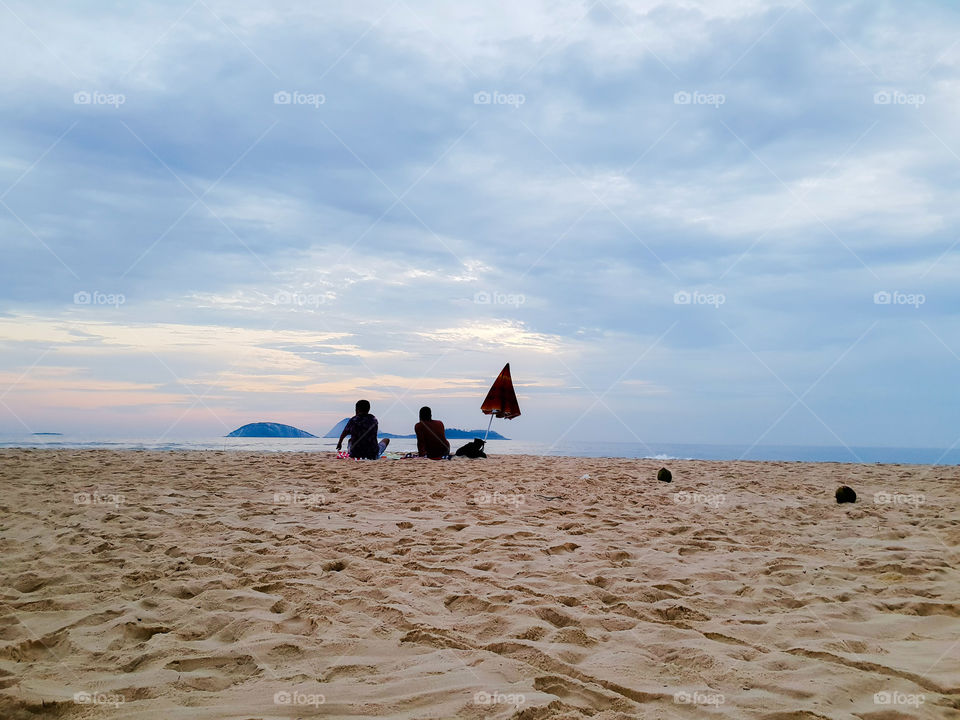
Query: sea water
pixel 571 448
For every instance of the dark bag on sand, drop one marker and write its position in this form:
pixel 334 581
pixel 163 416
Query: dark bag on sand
pixel 473 449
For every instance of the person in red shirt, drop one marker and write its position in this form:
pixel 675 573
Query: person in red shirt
pixel 431 439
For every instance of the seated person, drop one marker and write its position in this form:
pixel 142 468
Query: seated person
pixel 431 437
pixel 362 429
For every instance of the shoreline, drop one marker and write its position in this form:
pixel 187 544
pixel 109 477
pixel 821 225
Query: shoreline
pixel 579 458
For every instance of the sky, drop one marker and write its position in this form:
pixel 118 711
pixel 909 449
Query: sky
pixel 703 221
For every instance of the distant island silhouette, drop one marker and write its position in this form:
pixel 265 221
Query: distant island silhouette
pixel 452 433
pixel 271 430
pixel 279 430
pixel 46 433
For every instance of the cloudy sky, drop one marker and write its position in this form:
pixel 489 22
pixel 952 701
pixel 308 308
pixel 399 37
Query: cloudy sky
pixel 728 221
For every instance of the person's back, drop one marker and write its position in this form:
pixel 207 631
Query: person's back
pixel 431 436
pixel 362 429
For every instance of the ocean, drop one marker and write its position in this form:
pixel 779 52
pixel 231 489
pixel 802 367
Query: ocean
pixel 572 448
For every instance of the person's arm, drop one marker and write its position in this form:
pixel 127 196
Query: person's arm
pixel 443 436
pixel 418 429
pixel 346 431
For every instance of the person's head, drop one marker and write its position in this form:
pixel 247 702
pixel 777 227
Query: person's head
pixel 426 413
pixel 363 407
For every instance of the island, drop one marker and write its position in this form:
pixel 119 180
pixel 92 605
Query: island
pixel 452 433
pixel 47 433
pixel 270 430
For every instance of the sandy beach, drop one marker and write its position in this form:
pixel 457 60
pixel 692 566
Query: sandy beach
pixel 176 585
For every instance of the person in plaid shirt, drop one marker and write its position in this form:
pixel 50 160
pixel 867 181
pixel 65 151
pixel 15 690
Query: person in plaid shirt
pixel 362 429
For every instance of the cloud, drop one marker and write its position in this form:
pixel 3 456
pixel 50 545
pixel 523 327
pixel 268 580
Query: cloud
pixel 505 334
pixel 382 240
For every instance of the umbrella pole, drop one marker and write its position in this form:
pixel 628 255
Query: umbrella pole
pixel 488 429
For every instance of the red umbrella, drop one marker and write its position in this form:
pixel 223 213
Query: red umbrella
pixel 501 401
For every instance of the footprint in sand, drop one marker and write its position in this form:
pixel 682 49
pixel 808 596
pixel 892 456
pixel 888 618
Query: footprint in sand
pixel 213 674
pixel 142 632
pixel 572 636
pixel 555 617
pixel 467 604
pixel 679 613
pixel 29 583
pixel 537 632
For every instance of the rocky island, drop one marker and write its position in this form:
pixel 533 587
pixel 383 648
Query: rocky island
pixel 270 430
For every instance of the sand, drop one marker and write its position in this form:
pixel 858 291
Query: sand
pixel 175 585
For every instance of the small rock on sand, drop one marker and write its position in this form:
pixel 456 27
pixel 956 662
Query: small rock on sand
pixel 846 494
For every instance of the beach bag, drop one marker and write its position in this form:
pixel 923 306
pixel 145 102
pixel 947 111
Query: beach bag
pixel 473 449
